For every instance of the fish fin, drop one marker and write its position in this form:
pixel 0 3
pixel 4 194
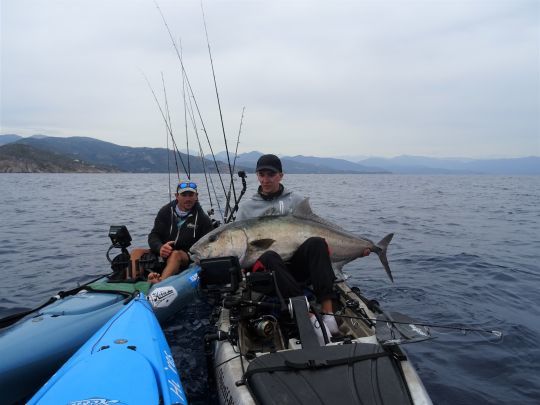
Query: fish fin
pixel 382 246
pixel 303 209
pixel 262 243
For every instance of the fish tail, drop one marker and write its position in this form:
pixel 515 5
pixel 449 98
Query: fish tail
pixel 381 248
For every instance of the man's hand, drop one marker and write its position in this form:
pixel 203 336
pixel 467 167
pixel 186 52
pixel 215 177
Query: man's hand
pixel 166 249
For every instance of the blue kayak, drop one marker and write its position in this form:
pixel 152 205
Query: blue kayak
pixel 32 349
pixel 127 361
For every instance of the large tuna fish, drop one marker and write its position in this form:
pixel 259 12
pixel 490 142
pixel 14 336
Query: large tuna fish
pixel 248 239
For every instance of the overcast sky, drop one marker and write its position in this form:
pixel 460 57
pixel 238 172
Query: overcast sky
pixel 324 78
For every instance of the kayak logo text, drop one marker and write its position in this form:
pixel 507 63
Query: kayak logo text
pixel 162 297
pixel 96 401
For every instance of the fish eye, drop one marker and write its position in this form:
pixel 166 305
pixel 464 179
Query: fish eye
pixel 212 238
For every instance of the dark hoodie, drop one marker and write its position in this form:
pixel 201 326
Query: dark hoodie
pixel 195 226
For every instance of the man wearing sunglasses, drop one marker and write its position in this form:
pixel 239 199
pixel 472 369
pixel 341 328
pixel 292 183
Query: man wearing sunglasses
pixel 178 225
pixel 310 264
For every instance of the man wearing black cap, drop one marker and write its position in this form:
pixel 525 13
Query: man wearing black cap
pixel 311 263
pixel 272 198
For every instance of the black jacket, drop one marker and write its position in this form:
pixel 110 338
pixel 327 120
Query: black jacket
pixel 196 225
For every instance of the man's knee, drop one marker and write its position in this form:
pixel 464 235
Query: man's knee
pixel 271 260
pixel 179 256
pixel 138 252
pixel 269 256
pixel 316 242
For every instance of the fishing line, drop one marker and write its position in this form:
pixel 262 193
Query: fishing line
pixel 463 329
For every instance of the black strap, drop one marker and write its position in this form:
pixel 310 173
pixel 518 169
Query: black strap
pixel 278 292
pixel 314 364
pixel 305 328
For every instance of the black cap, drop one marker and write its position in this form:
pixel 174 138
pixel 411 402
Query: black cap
pixel 269 162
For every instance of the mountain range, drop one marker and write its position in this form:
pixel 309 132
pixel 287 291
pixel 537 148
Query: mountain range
pixel 45 153
pixel 104 155
pixel 21 158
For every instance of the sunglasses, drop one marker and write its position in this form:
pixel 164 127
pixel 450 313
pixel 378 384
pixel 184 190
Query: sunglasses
pixel 186 184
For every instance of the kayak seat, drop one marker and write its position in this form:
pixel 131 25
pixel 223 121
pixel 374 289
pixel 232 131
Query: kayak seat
pixel 143 262
pixel 356 373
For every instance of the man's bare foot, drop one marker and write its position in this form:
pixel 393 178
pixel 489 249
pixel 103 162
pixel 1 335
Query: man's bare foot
pixel 154 278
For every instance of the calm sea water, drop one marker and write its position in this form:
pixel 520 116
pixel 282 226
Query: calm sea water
pixel 465 252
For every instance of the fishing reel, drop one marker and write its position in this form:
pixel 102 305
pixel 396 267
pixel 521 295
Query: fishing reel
pixel 264 326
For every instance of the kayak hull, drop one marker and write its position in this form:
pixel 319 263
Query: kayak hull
pixel 35 347
pixel 277 369
pixel 129 347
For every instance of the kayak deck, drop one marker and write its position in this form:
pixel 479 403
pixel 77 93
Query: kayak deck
pixel 263 354
pixel 36 346
pixel 127 361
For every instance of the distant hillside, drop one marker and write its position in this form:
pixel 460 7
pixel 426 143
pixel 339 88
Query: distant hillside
pixel 336 164
pixel 248 160
pixel 8 138
pixel 516 166
pixel 398 165
pixel 123 158
pixel 304 164
pixel 154 160
pixel 20 158
pixel 426 165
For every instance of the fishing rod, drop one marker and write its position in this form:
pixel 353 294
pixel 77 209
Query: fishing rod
pixel 168 165
pixel 242 175
pixel 496 333
pixel 238 137
pixel 172 138
pixel 192 93
pixel 234 167
pixel 176 153
pixel 169 129
pixel 208 179
pixel 231 171
pixel 185 114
